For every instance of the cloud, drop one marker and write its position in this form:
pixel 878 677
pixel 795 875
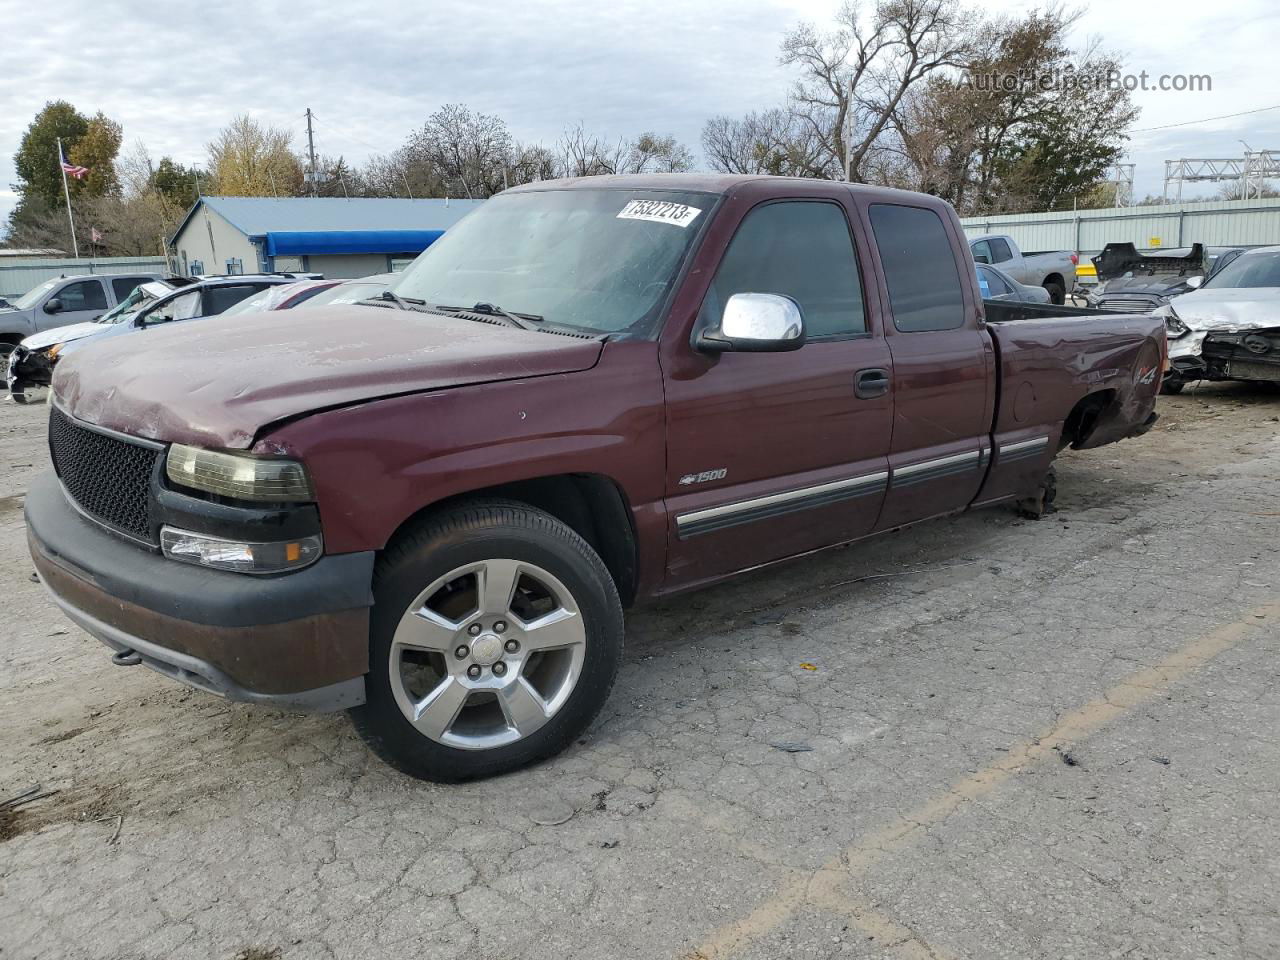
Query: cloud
pixel 373 72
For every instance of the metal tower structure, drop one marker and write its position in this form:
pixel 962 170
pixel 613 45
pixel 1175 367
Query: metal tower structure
pixel 1251 172
pixel 1122 177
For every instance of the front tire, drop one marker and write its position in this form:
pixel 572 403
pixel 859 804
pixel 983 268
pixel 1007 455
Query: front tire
pixel 495 637
pixel 1172 385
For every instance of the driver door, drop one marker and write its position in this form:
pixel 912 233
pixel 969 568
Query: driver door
pixel 773 454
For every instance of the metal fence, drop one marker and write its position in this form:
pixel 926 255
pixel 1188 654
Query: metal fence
pixel 1219 223
pixel 17 276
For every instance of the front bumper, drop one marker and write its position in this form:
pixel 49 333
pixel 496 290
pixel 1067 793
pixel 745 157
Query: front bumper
pixel 28 368
pixel 297 641
pixel 1251 354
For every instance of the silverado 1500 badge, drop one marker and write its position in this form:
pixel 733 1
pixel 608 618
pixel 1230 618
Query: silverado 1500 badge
pixel 703 477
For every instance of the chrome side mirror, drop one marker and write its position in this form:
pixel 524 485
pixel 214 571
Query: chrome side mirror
pixel 1195 282
pixel 756 322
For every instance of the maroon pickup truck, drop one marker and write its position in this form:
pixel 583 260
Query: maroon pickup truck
pixel 431 509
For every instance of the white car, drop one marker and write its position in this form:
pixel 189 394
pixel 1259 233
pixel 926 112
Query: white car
pixel 1228 328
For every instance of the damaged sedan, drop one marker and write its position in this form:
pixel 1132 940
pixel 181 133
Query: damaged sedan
pixel 1229 328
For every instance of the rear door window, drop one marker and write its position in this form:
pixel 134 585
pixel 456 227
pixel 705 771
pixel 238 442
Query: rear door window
pixel 1000 251
pixel 919 268
pixel 217 299
pixel 123 286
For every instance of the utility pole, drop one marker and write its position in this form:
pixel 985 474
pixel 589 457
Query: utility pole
pixel 311 152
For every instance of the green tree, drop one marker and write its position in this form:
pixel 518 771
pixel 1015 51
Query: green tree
pixel 37 157
pixel 247 159
pixel 97 149
pixel 176 182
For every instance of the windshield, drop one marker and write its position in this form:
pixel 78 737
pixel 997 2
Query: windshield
pixel 33 296
pixel 598 260
pixel 126 308
pixel 1248 270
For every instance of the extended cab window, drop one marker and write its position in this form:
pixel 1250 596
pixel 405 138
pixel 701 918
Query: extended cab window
pixel 123 286
pixel 919 268
pixel 800 249
pixel 1000 251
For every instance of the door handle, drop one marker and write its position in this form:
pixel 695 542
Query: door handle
pixel 873 382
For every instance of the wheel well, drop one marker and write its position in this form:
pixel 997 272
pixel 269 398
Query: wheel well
pixel 1084 417
pixel 1053 278
pixel 590 504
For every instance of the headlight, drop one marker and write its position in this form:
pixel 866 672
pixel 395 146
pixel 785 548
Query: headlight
pixel 53 351
pixel 239 556
pixel 241 476
pixel 1173 325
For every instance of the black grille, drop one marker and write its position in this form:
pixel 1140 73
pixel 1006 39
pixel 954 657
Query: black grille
pixel 109 478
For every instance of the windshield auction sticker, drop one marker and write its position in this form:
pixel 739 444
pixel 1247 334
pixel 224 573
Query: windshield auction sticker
pixel 660 211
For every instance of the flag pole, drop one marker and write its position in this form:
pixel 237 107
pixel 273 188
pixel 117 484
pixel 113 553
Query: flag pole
pixel 66 192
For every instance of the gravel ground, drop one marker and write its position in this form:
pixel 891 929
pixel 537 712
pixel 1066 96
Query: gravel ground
pixel 1021 739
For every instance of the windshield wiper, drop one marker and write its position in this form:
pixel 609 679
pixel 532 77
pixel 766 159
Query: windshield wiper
pixel 404 303
pixel 520 320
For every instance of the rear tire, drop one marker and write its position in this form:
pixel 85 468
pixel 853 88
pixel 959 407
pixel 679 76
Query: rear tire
pixel 455 641
pixel 1057 293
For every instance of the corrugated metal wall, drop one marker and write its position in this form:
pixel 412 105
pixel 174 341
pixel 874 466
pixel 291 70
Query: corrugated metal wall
pixel 17 276
pixel 1225 223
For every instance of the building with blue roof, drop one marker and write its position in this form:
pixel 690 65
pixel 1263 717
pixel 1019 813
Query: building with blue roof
pixel 336 236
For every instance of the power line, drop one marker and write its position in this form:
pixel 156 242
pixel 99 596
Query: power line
pixel 1190 123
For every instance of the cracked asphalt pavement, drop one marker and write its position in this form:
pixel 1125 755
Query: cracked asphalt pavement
pixel 979 737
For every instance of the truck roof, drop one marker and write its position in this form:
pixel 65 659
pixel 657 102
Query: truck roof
pixel 725 184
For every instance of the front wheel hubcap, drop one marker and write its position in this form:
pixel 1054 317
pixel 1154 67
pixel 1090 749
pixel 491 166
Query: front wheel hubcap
pixel 487 654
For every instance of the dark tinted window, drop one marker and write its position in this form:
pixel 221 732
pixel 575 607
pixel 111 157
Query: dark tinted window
pixel 919 267
pixel 801 250
pixel 123 286
pixel 85 295
pixel 217 299
pixel 1000 251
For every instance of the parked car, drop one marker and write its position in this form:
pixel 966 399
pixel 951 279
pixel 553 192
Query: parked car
pixel 603 390
pixel 1228 328
pixel 314 293
pixel 995 284
pixel 63 301
pixel 1129 282
pixel 153 303
pixel 1055 270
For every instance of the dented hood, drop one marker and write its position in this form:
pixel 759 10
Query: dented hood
pixel 219 382
pixel 1229 309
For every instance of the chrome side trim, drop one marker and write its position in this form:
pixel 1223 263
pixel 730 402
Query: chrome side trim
pixel 1023 446
pixel 942 463
pixel 759 508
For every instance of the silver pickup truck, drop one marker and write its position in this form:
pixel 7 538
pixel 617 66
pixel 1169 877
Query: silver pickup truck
pixel 1055 270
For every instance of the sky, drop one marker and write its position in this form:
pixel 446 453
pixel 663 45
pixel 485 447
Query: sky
pixel 373 72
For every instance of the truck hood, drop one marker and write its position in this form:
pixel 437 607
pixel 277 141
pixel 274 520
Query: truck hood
pixel 217 383
pixel 72 331
pixel 1229 309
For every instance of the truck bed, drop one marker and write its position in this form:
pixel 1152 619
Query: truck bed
pixel 1109 382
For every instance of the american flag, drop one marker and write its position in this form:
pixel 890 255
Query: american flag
pixel 71 170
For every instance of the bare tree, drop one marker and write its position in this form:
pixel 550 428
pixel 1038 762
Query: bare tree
pixel 854 79
pixel 775 142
